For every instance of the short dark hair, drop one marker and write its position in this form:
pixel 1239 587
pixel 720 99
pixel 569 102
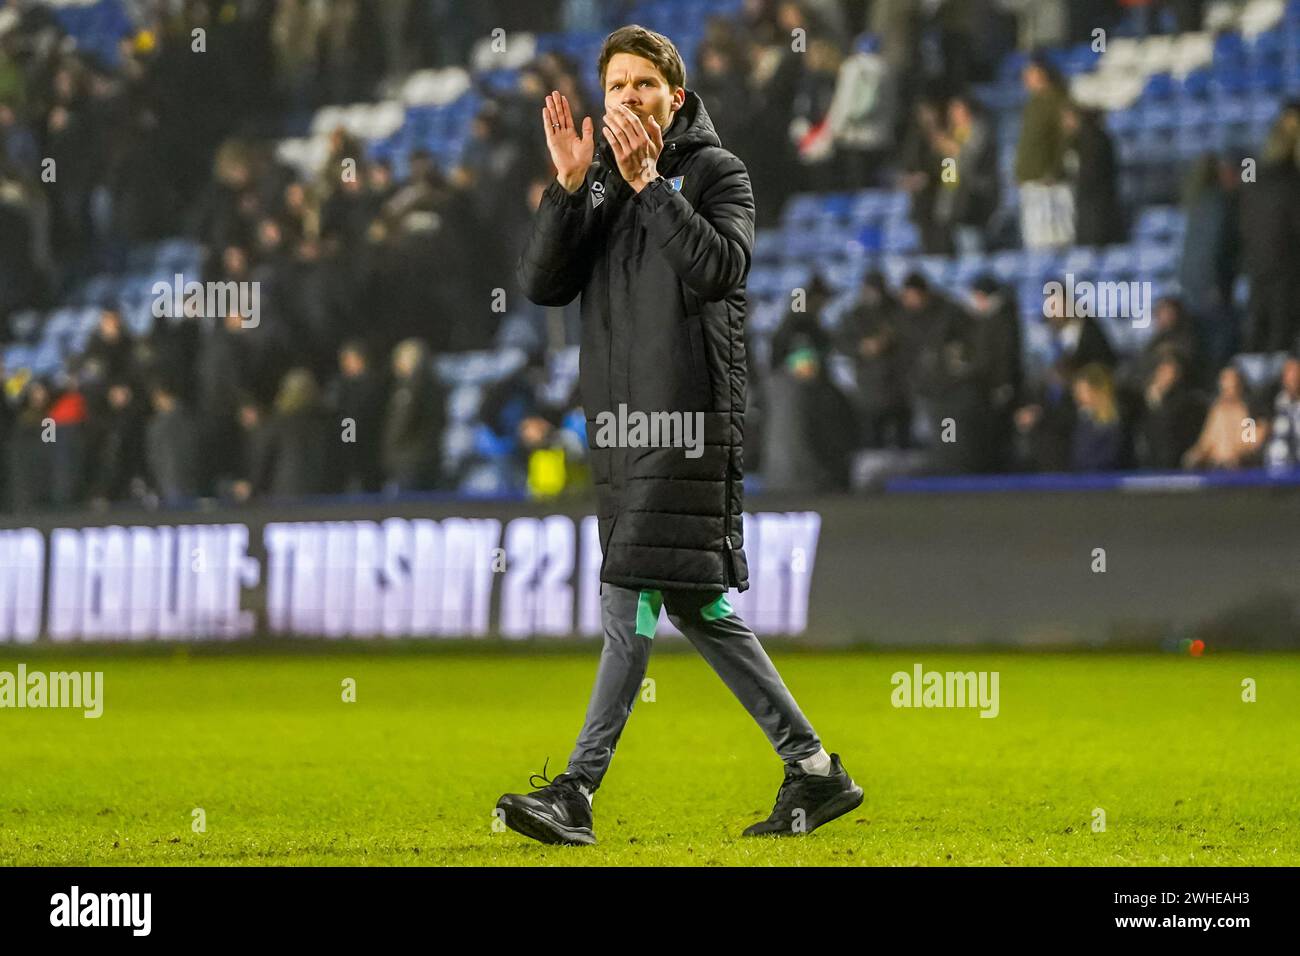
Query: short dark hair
pixel 917 282
pixel 639 41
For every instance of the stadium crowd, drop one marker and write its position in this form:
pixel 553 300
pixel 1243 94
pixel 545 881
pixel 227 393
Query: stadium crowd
pixel 366 278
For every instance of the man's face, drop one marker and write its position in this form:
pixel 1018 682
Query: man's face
pixel 635 82
pixel 351 363
pixel 1166 315
pixel 1165 376
pixel 1291 376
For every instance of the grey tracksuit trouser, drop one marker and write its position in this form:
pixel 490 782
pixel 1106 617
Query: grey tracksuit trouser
pixel 722 639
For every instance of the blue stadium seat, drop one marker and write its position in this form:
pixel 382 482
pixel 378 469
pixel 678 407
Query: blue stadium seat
pixel 969 268
pixel 901 237
pixel 1079 261
pixel 845 275
pixel 1158 222
pixel 768 245
pixel 934 268
pixel 766 315
pixel 1116 261
pixel 898 204
pixel 868 205
pixel 463 402
pixel 1156 259
pixel 895 268
pixel 1039 264
pixel 1229 48
pixel 836 204
pixel 869 238
pixel 1006 264
pixel 803 245
pixel 1159 87
pixel 762 280
pixel 1197 83
pixel 1123 122
pixel 801 208
pixel 1268 47
pixel 1229 81
pixel 1193 112
pixel 1078 59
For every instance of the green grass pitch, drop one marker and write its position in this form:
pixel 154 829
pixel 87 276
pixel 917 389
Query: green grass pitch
pixel 287 773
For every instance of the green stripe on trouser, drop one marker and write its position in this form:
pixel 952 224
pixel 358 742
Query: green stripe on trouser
pixel 647 613
pixel 716 609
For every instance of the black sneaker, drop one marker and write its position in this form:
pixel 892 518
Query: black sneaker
pixel 556 813
pixel 821 799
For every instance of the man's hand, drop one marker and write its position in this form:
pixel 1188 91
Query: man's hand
pixel 570 152
pixel 636 148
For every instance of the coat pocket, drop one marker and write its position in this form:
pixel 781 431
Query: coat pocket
pixel 701 388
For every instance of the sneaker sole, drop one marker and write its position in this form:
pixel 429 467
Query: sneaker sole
pixel 847 801
pixel 544 829
pixel 842 804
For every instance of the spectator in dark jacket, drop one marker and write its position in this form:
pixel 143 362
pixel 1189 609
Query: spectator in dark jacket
pixel 869 334
pixel 927 322
pixel 1093 171
pixel 1211 253
pixel 962 422
pixel 922 165
pixel 969 197
pixel 810 426
pixel 414 423
pixel 997 355
pixel 358 396
pixel 1270 230
pixel 112 346
pixel 120 464
pixel 1175 335
pixel 1172 415
pixel 1077 340
pixel 172 448
pixel 301 439
pixel 31 459
pixel 232 361
pixel 253 459
pixel 801 327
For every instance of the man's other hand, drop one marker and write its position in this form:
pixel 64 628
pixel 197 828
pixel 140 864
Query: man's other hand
pixel 571 152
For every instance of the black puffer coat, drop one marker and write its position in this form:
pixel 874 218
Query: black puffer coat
pixel 662 276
